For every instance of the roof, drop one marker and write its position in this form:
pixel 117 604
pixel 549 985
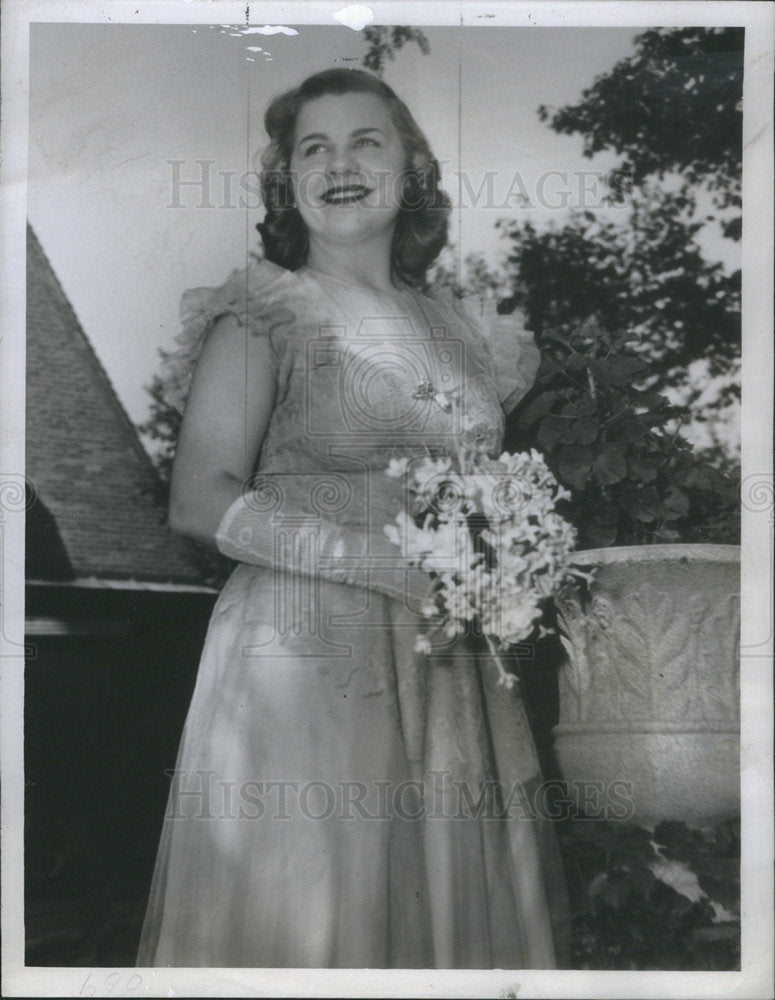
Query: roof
pixel 96 489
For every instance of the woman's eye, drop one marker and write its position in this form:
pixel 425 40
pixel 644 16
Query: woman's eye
pixel 366 140
pixel 314 148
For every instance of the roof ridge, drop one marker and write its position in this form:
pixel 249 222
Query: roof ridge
pixel 101 370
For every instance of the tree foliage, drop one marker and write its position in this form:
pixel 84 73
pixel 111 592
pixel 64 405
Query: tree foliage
pixel 667 898
pixel 675 105
pixel 648 276
pixel 161 428
pixel 673 111
pixel 634 480
pixel 384 42
pixel 471 276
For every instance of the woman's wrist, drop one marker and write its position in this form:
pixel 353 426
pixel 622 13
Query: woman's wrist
pixel 302 543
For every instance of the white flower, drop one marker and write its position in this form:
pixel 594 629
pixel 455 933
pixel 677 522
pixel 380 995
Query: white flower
pixel 721 914
pixel 679 877
pixel 495 569
pixel 392 533
pixel 515 621
pixel 428 469
pixel 422 644
pixel 396 467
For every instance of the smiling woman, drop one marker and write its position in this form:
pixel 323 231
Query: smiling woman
pixel 344 138
pixel 343 797
pixel 346 181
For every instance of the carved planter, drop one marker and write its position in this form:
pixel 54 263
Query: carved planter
pixel 649 694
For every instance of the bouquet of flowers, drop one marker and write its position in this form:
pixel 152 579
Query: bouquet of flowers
pixel 487 531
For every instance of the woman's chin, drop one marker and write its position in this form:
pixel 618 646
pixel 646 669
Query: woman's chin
pixel 352 225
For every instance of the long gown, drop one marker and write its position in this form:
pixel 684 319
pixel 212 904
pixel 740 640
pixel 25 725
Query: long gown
pixel 340 799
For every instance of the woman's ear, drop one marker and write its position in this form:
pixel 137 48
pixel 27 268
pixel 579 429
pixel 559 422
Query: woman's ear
pixel 422 167
pixel 420 163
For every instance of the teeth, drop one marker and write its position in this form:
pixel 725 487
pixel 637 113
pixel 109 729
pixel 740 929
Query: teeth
pixel 345 194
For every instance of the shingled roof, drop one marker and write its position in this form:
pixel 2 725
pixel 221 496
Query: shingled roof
pixel 94 483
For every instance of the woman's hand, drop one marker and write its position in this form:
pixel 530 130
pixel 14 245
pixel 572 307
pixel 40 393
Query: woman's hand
pixel 227 413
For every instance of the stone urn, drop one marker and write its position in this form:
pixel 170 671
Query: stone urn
pixel 649 725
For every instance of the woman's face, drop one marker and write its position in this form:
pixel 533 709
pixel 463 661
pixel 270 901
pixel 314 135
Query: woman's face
pixel 346 166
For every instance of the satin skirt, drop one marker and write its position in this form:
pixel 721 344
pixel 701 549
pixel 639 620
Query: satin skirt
pixel 340 800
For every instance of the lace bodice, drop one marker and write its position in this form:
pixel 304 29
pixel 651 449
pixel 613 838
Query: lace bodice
pixel 363 377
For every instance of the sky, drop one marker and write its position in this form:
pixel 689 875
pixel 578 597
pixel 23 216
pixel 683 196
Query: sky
pixel 120 115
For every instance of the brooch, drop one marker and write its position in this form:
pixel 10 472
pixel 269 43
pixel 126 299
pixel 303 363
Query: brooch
pixel 426 390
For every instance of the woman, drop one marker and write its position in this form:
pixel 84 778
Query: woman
pixel 333 802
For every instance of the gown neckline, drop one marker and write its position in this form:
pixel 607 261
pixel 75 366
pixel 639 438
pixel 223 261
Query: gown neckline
pixel 306 269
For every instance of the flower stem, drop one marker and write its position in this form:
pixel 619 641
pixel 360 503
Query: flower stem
pixel 508 680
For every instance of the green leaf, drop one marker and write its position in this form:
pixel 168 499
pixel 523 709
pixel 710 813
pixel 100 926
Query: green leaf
pixel 722 882
pixel 666 535
pixel 585 430
pixel 651 400
pixel 540 406
pixel 550 336
pixel 574 465
pixel 675 504
pixel 547 369
pixel 614 893
pixel 609 465
pixel 567 436
pixel 642 879
pixel 570 434
pixel 584 406
pixel 672 835
pixel 644 505
pixel 618 369
pixel 640 468
pixel 623 421
pixel 702 477
pixel 600 533
pixel 618 342
pixel 551 431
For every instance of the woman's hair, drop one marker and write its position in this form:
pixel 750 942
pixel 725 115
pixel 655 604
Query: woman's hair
pixel 422 222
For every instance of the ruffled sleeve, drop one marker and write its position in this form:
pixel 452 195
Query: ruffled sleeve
pixel 257 296
pixel 512 350
pixel 512 347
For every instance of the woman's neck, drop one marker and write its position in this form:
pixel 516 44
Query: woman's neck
pixel 362 264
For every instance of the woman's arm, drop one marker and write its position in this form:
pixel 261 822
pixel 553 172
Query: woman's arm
pixel 227 413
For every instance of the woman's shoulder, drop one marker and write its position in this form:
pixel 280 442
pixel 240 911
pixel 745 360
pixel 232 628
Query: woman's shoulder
pixel 262 297
pixel 246 292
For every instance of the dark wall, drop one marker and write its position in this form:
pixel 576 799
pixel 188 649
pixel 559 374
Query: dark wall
pixel 103 715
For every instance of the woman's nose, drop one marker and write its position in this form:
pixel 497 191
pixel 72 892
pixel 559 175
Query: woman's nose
pixel 341 160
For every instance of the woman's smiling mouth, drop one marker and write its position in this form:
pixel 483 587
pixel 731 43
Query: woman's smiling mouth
pixel 347 194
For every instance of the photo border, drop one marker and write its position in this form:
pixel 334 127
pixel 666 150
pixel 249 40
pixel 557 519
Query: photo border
pixel 755 978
